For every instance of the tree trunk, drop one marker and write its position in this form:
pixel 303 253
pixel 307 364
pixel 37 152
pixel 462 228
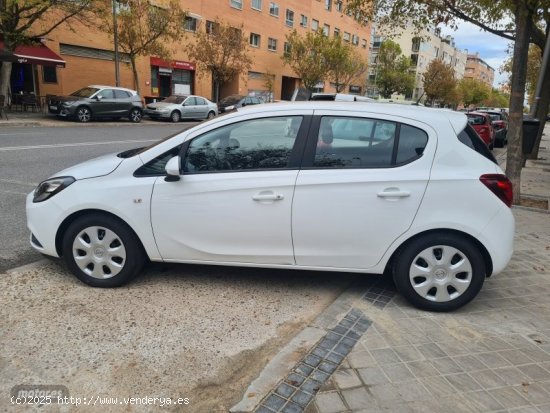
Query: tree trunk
pixel 514 158
pixel 542 112
pixel 135 73
pixel 5 75
pixel 217 88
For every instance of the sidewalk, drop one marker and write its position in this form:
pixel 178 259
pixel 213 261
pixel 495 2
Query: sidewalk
pixel 379 354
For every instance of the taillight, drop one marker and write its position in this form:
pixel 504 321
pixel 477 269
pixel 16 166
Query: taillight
pixel 499 185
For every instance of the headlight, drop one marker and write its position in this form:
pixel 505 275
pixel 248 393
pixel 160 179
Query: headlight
pixel 69 103
pixel 230 107
pixel 50 187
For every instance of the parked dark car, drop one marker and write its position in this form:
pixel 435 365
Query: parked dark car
pixel 500 124
pixel 95 102
pixel 233 102
pixel 481 123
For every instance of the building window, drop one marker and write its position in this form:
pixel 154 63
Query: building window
pixel 272 44
pixel 289 18
pixel 355 40
pixel 274 9
pixel 190 24
pixel 210 26
pixel 339 5
pixel 237 4
pixel 346 36
pixel 255 39
pixel 328 5
pixel 364 43
pixel 287 48
pixel 256 4
pixel 314 24
pixel 303 20
pixel 416 44
pixel 49 74
pixel 336 32
pixel 326 30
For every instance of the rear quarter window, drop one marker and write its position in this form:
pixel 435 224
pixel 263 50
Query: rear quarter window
pixel 471 139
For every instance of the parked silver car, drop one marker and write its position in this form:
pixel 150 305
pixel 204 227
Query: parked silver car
pixel 177 107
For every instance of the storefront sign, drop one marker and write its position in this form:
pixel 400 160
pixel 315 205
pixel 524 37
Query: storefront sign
pixel 175 64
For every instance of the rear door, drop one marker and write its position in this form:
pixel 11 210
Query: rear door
pixel 201 108
pixel 123 102
pixel 359 188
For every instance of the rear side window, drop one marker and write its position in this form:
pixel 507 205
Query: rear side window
pixel 121 94
pixel 471 139
pixel 412 142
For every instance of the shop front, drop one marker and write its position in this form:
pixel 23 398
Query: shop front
pixel 171 78
pixel 31 66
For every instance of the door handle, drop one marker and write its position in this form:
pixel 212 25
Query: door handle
pixel 267 196
pixel 393 193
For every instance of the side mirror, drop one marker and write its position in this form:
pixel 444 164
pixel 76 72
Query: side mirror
pixel 244 104
pixel 172 169
pixel 98 97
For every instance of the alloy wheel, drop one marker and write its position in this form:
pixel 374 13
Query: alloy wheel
pixel 135 115
pixel 84 114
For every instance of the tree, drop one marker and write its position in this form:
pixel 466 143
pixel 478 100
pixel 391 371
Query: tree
pixel 521 21
pixel 269 82
pixel 344 63
pixel 497 99
pixel 26 21
pixel 306 55
pixel 534 61
pixel 392 71
pixel 472 91
pixel 143 29
pixel 221 50
pixel 440 83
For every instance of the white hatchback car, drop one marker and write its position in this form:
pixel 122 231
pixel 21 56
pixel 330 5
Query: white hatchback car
pixel 369 188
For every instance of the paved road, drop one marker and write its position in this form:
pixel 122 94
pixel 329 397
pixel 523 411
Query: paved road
pixel 31 154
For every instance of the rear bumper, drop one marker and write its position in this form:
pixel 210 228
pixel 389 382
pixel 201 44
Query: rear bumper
pixel 498 238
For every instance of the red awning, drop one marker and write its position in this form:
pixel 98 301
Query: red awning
pixel 36 55
pixel 175 64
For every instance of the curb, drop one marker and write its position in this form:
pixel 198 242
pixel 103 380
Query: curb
pixel 280 365
pixel 524 208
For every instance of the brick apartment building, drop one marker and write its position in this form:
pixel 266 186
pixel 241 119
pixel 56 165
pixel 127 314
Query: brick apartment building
pixel 71 59
pixel 477 68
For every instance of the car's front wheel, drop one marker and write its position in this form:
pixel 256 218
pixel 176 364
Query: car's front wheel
pixel 102 251
pixel 175 116
pixel 135 115
pixel 439 272
pixel 83 114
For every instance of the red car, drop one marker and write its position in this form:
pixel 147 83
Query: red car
pixel 482 124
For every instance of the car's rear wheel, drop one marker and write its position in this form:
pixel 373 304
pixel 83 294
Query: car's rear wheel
pixel 211 115
pixel 135 115
pixel 102 251
pixel 83 114
pixel 439 272
pixel 175 116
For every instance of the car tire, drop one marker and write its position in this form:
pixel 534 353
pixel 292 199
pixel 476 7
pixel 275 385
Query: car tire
pixel 175 116
pixel 102 251
pixel 83 114
pixel 135 115
pixel 210 115
pixel 427 271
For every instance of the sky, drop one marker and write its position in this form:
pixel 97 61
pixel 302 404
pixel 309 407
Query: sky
pixel 491 48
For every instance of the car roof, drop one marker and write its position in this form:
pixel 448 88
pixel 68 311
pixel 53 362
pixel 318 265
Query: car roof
pixel 112 87
pixel 424 114
pixel 476 113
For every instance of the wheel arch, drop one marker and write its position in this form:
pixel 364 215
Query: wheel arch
pixel 484 252
pixel 75 215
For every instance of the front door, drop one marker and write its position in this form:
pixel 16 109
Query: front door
pixel 233 201
pixel 355 194
pixel 104 103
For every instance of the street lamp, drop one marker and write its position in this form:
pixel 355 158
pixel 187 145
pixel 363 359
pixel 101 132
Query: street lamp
pixel 115 38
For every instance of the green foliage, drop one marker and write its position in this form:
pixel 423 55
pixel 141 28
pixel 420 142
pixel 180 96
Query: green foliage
pixel 307 56
pixel 534 62
pixel 472 92
pixel 223 53
pixel 440 83
pixel 345 64
pixel 392 71
pixel 497 99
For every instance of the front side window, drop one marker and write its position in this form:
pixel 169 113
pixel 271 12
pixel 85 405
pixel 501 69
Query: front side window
pixel 367 143
pixel 191 101
pixel 245 146
pixel 106 94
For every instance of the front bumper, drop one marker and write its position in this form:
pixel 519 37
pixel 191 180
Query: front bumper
pixel 43 220
pixel 154 114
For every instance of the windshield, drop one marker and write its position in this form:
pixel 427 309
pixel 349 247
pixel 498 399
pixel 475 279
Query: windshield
pixel 175 99
pixel 85 92
pixel 136 151
pixel 231 100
